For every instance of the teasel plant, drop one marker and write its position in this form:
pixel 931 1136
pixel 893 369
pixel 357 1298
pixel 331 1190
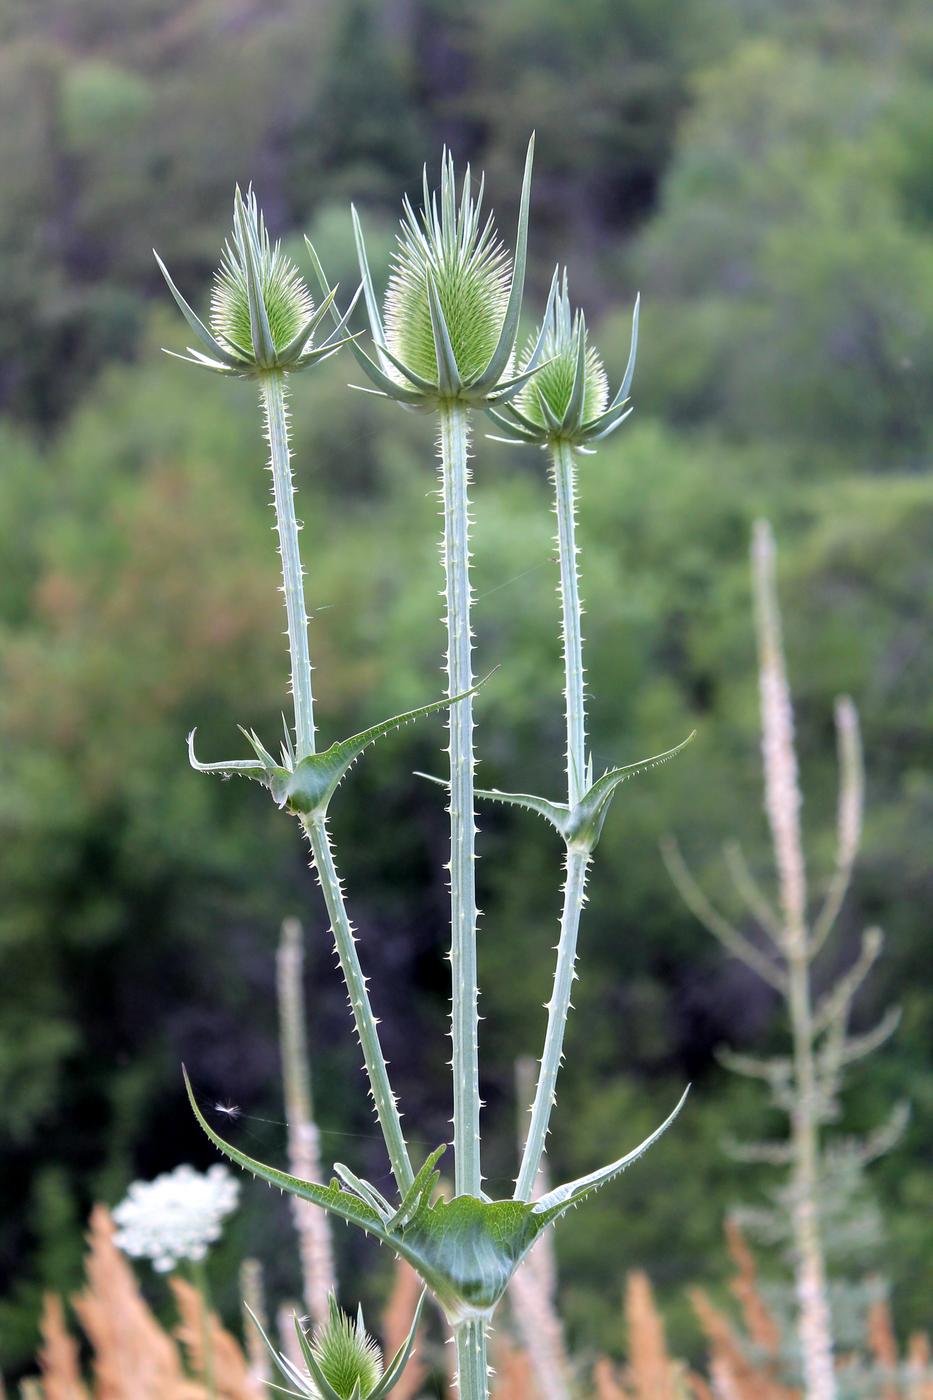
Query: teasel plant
pixel 446 345
pixel 804 1084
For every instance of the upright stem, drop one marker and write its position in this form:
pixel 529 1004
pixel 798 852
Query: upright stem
pixel 272 393
pixel 472 1363
pixel 366 1024
pixel 564 473
pixel 578 858
pixel 465 995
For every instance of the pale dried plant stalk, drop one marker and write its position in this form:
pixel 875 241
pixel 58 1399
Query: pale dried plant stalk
pixel 513 1372
pixel 805 1084
pixel 396 1320
pixel 133 1357
pixel 533 1289
pixel 59 1360
pixel 255 1317
pixel 650 1371
pixel 304 1151
pixel 230 1370
pixel 762 1329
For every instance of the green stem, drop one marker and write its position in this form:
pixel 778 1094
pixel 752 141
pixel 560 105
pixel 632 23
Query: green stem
pixel 273 396
pixel 564 475
pixel 366 1024
pixel 557 1009
pixel 578 858
pixel 464 1014
pixel 199 1279
pixel 272 392
pixel 472 1365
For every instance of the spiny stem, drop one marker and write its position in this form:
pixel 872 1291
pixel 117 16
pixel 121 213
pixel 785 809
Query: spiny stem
pixel 472 1365
pixel 272 396
pixel 464 1014
pixel 273 400
pixel 578 860
pixel 564 474
pixel 366 1024
pixel 557 1009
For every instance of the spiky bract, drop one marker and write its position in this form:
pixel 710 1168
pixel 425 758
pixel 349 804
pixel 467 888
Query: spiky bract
pixel 262 314
pixel 284 292
pixel 470 269
pixel 567 398
pixel 349 1358
pixel 553 385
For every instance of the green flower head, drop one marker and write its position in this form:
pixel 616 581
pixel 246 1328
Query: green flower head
pixel 341 1360
pixel 262 314
pixel 450 317
pixel 568 397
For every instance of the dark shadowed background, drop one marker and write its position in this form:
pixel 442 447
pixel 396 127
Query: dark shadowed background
pixel 763 173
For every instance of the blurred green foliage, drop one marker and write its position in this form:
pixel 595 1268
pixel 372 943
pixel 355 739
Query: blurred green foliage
pixel 763 173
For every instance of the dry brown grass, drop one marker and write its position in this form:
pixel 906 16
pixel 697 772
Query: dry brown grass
pixel 133 1358
pixel 396 1320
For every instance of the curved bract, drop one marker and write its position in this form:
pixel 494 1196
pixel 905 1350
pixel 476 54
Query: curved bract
pixel 451 308
pixel 262 314
pixel 581 826
pixel 567 400
pixel 305 787
pixel 466 1249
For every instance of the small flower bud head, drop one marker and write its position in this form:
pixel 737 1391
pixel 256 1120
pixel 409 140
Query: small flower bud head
pixel 547 397
pixel 176 1216
pixel 470 270
pixel 282 289
pixel 262 315
pixel 567 397
pixel 350 1361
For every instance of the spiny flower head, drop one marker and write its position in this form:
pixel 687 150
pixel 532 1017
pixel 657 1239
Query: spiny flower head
pixel 568 398
pixel 262 313
pixel 452 305
pixel 341 1360
pixel 447 258
pixel 176 1216
pixel 349 1358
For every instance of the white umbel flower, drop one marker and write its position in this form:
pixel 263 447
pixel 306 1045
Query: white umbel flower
pixel 176 1217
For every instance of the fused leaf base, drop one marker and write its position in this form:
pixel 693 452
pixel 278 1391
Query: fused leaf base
pixel 466 1249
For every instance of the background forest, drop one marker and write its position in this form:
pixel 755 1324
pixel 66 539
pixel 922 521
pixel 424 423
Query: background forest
pixel 762 170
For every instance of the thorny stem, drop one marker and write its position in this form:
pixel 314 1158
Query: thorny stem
pixel 273 395
pixel 472 1364
pixel 463 913
pixel 273 400
pixel 578 859
pixel 564 474
pixel 366 1024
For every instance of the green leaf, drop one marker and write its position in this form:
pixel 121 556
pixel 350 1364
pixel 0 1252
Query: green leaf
pixel 589 815
pixel 306 788
pixel 466 1250
pixel 583 826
